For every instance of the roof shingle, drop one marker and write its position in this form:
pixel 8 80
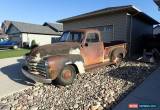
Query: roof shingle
pixel 128 8
pixel 33 28
pixel 56 26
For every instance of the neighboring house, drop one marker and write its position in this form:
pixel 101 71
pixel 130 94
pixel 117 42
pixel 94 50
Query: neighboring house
pixel 157 2
pixel 1 32
pixel 5 25
pixel 156 30
pixel 57 27
pixel 115 23
pixel 25 33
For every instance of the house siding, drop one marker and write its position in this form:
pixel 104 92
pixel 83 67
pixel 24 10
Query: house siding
pixel 20 37
pixel 139 30
pixel 40 39
pixel 117 20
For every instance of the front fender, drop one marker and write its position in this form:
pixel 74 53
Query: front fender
pixel 56 64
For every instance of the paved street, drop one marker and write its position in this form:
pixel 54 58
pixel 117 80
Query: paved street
pixel 11 77
pixel 147 93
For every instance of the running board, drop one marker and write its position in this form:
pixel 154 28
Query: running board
pixel 98 65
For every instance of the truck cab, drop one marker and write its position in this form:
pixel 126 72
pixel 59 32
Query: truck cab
pixel 77 51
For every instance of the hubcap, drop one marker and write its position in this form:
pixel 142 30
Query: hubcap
pixel 67 74
pixel 117 60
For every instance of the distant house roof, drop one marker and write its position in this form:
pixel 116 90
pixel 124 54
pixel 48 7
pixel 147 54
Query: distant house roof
pixel 156 30
pixel 128 9
pixel 55 26
pixel 33 28
pixel 5 25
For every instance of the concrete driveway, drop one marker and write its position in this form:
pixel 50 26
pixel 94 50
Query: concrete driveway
pixel 11 78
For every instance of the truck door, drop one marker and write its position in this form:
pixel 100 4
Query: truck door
pixel 92 51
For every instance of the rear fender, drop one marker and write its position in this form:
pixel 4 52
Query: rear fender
pixel 117 51
pixel 57 63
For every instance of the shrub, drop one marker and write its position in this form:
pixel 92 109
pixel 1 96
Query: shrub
pixel 33 44
pixel 25 45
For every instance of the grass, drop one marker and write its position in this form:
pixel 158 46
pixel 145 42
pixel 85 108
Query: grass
pixel 13 53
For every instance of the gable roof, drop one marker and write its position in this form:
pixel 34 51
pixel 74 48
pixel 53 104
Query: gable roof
pixel 128 9
pixel 5 25
pixel 55 26
pixel 32 28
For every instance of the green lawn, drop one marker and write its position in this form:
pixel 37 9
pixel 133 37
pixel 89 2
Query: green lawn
pixel 13 53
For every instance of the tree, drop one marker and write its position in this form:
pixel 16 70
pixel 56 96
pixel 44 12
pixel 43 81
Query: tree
pixel 33 44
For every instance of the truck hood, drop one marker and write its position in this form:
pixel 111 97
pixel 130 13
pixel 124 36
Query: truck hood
pixel 57 49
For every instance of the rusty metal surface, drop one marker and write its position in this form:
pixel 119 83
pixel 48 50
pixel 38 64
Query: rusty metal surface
pixel 59 54
pixel 56 63
pixel 55 49
pixel 67 74
pixel 93 53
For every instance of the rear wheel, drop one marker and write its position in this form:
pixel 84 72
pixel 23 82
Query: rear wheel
pixel 66 76
pixel 117 59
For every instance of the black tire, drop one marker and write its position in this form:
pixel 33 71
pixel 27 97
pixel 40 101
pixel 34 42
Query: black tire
pixel 65 78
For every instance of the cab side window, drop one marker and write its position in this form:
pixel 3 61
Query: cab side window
pixel 92 37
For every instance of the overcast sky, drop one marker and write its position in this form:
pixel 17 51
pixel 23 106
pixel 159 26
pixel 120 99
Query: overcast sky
pixel 40 11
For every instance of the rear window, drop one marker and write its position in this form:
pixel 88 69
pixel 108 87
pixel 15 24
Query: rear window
pixel 92 37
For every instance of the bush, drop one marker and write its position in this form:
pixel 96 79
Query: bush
pixel 25 45
pixel 33 44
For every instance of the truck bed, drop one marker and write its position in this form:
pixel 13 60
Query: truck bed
pixel 109 46
pixel 113 43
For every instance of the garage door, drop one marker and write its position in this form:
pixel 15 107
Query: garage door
pixel 106 32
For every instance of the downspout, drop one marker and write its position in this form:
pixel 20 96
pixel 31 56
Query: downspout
pixel 131 28
pixel 130 37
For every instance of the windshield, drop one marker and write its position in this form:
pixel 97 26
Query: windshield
pixel 72 37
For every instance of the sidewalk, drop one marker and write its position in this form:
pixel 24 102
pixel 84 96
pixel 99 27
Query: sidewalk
pixel 147 93
pixel 11 78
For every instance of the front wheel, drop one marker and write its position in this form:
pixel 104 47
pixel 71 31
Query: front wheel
pixel 66 76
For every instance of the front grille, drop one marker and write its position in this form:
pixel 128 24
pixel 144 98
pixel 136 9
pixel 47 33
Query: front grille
pixel 37 67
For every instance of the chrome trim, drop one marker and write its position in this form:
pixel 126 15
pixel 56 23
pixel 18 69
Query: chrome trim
pixel 36 78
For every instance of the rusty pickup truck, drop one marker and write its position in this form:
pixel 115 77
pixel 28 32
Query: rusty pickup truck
pixel 76 51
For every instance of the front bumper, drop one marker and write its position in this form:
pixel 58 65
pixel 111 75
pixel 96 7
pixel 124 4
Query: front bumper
pixel 36 78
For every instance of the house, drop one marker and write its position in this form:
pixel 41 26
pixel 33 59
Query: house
pixel 57 27
pixel 25 33
pixel 5 25
pixel 157 2
pixel 126 23
pixel 156 30
pixel 1 32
